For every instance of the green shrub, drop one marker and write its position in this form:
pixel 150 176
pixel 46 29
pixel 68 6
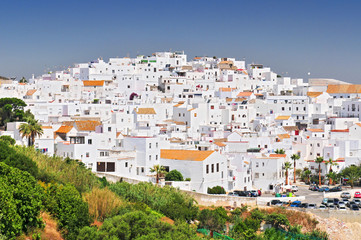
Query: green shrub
pixel 65 203
pixel 188 179
pixel 174 175
pixel 9 140
pixel 211 220
pixel 16 159
pixel 216 190
pixel 167 200
pixel 20 201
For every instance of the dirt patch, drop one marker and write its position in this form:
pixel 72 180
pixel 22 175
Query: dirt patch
pixel 167 220
pixel 50 231
pixel 339 230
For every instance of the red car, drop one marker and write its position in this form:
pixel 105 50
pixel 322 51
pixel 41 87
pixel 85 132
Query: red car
pixel 357 195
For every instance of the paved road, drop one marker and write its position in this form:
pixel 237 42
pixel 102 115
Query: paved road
pixel 311 196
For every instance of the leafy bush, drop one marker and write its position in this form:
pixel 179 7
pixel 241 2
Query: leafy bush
pixel 15 159
pixel 168 200
pixel 216 190
pixel 137 225
pixel 188 179
pixel 66 204
pixel 174 175
pixel 20 201
pixel 213 220
pixel 9 140
pixel 102 203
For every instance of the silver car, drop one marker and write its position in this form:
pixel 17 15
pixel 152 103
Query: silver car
pixel 346 195
pixel 322 207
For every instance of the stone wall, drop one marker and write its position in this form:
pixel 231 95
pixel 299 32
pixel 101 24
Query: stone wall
pixel 346 216
pixel 222 200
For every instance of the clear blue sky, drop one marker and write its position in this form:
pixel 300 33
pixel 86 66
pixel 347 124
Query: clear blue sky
pixel 318 36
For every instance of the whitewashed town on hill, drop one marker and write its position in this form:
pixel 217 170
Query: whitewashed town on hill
pixel 218 121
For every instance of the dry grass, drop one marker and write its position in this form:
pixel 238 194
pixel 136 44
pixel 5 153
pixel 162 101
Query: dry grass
pixel 307 222
pixel 50 231
pixel 102 202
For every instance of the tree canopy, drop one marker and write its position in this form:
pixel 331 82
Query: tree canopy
pixel 174 175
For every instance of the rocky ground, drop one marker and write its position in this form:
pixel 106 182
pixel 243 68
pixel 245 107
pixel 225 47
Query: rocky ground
pixel 339 230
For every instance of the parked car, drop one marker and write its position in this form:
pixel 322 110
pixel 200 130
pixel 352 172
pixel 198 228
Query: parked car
pixel 243 193
pixel 324 189
pixel 357 195
pixel 322 207
pixel 313 188
pixel 304 205
pixel 324 201
pixel 345 195
pixel 331 207
pixel 296 204
pixel 341 204
pixel 329 202
pixel 354 207
pixel 350 203
pixel 335 201
pixel 357 201
pixel 294 188
pixel 232 194
pixel 274 202
pixel 254 193
pixel 342 208
pixel 312 206
pixel 336 189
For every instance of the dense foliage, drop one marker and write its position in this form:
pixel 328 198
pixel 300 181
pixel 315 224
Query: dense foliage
pixel 216 190
pixel 18 160
pixel 11 110
pixel 171 202
pixel 65 203
pixel 8 139
pixel 137 225
pixel 174 175
pixel 20 201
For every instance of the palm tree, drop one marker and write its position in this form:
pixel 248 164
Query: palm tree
pixel 294 157
pixel 332 176
pixel 159 171
pixel 30 130
pixel 287 166
pixel 280 151
pixel 332 163
pixel 319 160
pixel 352 176
pixel 307 173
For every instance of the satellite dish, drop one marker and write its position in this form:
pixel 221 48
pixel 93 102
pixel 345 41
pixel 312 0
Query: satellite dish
pixel 308 73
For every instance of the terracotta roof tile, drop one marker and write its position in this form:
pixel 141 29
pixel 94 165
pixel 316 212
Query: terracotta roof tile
pixel 30 92
pixel 64 129
pixel 344 88
pixel 283 117
pixel 93 83
pixel 87 125
pixel 277 155
pixel 313 94
pixel 244 94
pixel 340 130
pixel 145 111
pixel 187 155
pixel 315 130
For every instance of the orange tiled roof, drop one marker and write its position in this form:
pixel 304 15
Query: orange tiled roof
pixel 283 117
pixel 244 94
pixel 220 144
pixel 344 88
pixel 277 155
pixel 179 104
pixel 188 155
pixel 358 124
pixel 226 89
pixel 190 109
pixel 30 92
pixel 87 125
pixel 313 94
pixel 46 127
pixel 340 130
pixel 145 111
pixel 282 136
pixel 93 83
pixel 314 130
pixel 64 129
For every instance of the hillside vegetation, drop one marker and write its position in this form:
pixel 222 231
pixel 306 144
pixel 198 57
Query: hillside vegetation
pixel 36 189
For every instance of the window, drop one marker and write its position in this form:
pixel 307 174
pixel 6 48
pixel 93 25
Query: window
pixel 87 154
pixel 126 164
pixel 150 145
pixel 142 170
pixel 212 168
pixel 102 154
pixel 262 164
pixel 217 167
pixel 212 106
pixel 207 168
pixel 156 157
pixel 111 167
pixel 150 157
pixel 257 164
pixel 156 145
pixel 109 129
pixel 89 141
